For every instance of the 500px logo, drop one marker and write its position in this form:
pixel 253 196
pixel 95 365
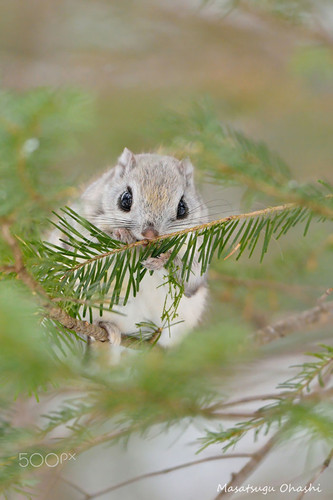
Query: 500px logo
pixel 37 459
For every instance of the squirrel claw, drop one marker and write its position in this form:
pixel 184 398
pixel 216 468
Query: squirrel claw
pixel 156 263
pixel 112 330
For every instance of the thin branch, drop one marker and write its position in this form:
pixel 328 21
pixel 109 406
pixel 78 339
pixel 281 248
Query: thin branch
pixel 166 471
pixel 323 297
pixel 54 312
pixel 318 473
pixel 318 395
pixel 231 416
pixel 245 400
pixel 315 32
pixel 83 327
pixel 238 478
pixel 19 267
pixel 241 476
pixel 79 326
pixel 199 227
pixel 103 438
pixel 292 199
pixel 7 269
pixel 319 315
pixel 326 373
pixel 75 487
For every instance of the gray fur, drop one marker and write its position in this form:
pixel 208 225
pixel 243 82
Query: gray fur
pixel 158 183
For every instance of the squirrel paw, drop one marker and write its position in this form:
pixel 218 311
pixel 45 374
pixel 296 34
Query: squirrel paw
pixel 112 330
pixel 156 263
pixel 123 235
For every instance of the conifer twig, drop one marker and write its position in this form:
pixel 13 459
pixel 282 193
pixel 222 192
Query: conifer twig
pixel 77 325
pixel 318 395
pixel 75 487
pixel 318 473
pixel 199 227
pixel 7 269
pixel 237 479
pixel 324 296
pixel 314 30
pixel 318 315
pixel 292 199
pixel 83 327
pixel 164 471
pixel 245 400
pixel 55 313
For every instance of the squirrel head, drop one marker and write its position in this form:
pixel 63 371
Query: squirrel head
pixel 151 195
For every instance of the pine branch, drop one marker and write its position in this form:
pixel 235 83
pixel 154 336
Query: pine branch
pixel 55 313
pixel 247 399
pixel 239 478
pixel 162 472
pixel 297 198
pixel 94 267
pixel 76 325
pixel 318 316
pixel 318 473
pixel 33 132
pixel 314 31
pixel 324 296
pixel 321 313
pixel 286 405
pixel 70 483
pixel 317 396
pixel 231 157
pixel 124 247
pixel 212 224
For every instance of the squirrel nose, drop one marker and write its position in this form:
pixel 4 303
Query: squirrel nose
pixel 149 233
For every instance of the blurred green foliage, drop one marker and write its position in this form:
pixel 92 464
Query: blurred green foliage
pixel 153 387
pixel 27 365
pixel 39 130
pixel 52 141
pixel 314 64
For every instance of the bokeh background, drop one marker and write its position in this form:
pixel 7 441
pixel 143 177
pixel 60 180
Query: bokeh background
pixel 269 75
pixel 267 67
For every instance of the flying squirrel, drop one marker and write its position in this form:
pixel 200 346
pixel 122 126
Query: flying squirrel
pixel 145 196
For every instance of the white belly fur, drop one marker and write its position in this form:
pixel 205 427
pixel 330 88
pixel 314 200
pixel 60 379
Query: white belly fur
pixel 148 306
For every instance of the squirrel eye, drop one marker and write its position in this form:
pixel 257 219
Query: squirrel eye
pixel 125 200
pixel 182 209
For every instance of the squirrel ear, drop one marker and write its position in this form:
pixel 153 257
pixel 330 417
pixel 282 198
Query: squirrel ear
pixel 186 168
pixel 127 159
